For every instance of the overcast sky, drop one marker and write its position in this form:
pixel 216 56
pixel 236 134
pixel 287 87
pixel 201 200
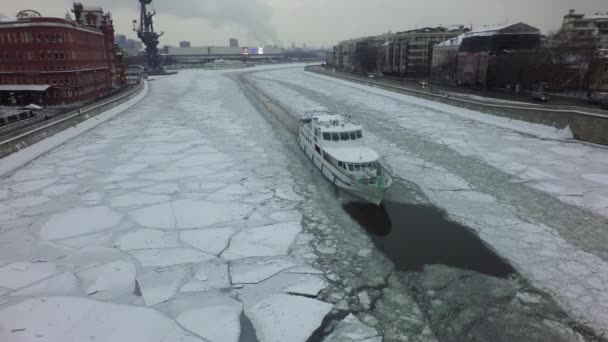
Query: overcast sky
pixel 314 22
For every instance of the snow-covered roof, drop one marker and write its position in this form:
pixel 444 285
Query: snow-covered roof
pixel 486 30
pixel 456 41
pixel 596 16
pixel 353 155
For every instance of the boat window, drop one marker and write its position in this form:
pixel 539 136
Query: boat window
pixel 335 137
pixel 353 135
pixel 340 164
pixel 344 136
pixel 326 136
pixel 357 167
pixel 317 149
pixel 351 167
pixel 359 134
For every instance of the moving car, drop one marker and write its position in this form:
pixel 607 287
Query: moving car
pixel 540 97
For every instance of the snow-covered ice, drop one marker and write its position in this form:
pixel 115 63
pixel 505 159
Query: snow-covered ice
pixel 79 221
pixel 211 240
pixel 148 239
pixel 287 318
pixel 109 280
pixel 145 204
pixel 214 324
pixel 70 319
pixel 20 274
pixel 253 271
pixel 158 286
pixel 170 256
pixel 208 276
pixel 200 214
pixel 310 286
pixel 273 240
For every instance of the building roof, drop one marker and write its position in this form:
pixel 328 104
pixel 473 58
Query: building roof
pixel 24 87
pixel 353 155
pixel 490 30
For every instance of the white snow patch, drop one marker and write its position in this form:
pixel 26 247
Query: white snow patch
pixel 79 221
pixel 17 275
pixel 273 240
pixel 283 318
pixel 70 319
pixel 214 324
pixel 211 240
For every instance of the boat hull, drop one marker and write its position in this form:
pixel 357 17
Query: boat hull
pixel 367 193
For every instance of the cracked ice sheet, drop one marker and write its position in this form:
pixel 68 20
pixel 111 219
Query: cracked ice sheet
pixel 220 114
pixel 493 139
pixel 68 319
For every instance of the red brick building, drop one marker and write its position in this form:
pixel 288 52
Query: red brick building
pixel 54 61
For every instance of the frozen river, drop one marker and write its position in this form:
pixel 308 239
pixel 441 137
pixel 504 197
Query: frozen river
pixel 192 216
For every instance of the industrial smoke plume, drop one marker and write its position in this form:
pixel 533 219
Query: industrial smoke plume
pixel 254 16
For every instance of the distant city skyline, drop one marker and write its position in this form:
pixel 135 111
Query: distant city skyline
pixel 315 23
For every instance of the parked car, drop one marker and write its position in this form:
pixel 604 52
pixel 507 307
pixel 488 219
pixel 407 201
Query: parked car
pixel 423 83
pixel 371 76
pixel 540 97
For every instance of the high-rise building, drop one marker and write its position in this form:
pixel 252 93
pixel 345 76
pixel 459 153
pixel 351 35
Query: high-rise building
pixel 234 43
pixel 184 44
pixel 586 28
pixel 53 61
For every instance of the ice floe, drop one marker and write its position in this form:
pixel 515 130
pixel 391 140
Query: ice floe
pixel 109 280
pixel 148 239
pixel 253 271
pixel 214 324
pixel 17 275
pixel 210 240
pixel 283 318
pixel 160 285
pixel 170 256
pixel 67 319
pixel 273 240
pixel 79 221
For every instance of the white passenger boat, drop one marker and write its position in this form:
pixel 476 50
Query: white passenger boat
pixel 337 148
